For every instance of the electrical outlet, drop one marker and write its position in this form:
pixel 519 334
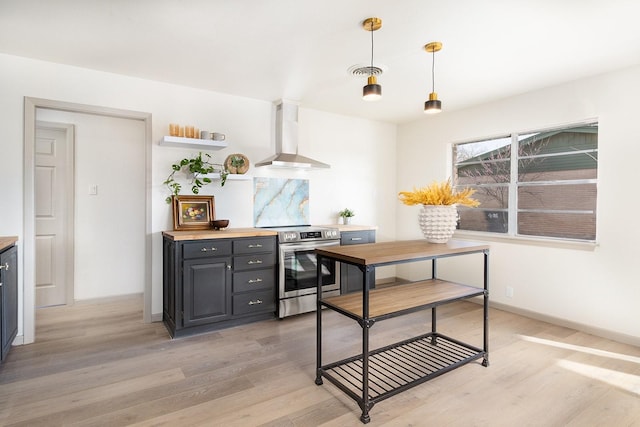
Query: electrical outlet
pixel 508 292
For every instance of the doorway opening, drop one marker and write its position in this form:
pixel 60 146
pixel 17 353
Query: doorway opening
pixel 140 218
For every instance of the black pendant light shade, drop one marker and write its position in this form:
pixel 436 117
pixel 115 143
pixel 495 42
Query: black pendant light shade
pixel 372 91
pixel 433 105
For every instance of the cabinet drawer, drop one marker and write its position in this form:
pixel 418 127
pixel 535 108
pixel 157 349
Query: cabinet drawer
pixel 357 237
pixel 247 262
pixel 253 280
pixel 253 245
pixel 206 248
pixel 254 302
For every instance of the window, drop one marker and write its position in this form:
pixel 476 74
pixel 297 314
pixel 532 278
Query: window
pixel 536 184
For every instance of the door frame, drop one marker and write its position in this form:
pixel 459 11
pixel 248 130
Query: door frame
pixel 70 204
pixel 30 106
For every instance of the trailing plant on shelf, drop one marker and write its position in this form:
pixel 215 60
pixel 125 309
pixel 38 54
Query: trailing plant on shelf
pixel 196 169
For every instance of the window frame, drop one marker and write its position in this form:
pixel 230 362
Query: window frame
pixel 514 185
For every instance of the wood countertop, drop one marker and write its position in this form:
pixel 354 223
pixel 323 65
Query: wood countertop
pixel 352 227
pixel 228 233
pixel 6 241
pixel 390 252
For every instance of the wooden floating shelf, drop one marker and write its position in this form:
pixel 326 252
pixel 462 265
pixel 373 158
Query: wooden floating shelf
pixel 230 177
pixel 200 144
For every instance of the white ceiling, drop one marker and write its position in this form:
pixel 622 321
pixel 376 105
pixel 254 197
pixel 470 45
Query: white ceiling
pixel 301 50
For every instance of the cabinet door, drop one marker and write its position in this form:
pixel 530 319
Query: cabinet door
pixel 8 299
pixel 207 291
pixel 350 275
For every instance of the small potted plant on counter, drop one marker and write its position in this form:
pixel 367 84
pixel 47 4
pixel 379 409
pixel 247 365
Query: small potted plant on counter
pixel 346 215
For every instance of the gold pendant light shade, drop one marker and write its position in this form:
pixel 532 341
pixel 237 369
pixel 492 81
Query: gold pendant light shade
pixel 433 105
pixel 372 91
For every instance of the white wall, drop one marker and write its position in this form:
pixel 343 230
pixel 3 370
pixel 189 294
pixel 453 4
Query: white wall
pixel 358 150
pixel 596 288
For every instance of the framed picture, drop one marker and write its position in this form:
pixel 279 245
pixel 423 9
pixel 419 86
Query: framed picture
pixel 193 212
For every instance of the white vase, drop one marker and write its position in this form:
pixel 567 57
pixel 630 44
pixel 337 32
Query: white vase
pixel 438 222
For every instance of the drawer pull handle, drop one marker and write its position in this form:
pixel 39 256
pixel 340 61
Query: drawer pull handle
pixel 355 239
pixel 258 280
pixel 257 261
pixel 208 249
pixel 5 266
pixel 255 246
pixel 258 301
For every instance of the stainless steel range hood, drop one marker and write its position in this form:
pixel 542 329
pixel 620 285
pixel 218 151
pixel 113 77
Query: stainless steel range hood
pixel 287 141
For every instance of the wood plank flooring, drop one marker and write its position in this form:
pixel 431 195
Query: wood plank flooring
pixel 99 365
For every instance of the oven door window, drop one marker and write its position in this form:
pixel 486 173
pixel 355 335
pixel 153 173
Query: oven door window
pixel 300 270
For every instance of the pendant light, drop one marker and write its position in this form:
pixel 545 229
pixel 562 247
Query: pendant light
pixel 433 105
pixel 372 91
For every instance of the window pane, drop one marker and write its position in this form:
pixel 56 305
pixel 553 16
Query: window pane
pixel 494 197
pixel 562 225
pixel 577 138
pixel 483 162
pixel 580 197
pixel 483 220
pixel 560 167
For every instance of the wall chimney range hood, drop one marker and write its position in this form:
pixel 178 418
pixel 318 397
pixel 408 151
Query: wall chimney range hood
pixel 287 141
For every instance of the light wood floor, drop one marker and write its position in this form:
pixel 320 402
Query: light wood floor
pixel 100 365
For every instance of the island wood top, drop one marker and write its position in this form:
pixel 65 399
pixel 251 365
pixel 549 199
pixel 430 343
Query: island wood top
pixel 6 241
pixel 218 234
pixel 404 250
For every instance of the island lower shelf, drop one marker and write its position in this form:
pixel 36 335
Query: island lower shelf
pixel 400 366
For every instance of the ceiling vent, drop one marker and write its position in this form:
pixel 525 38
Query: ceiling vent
pixel 360 70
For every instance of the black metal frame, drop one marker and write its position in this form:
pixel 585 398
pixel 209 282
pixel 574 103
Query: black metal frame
pixel 414 361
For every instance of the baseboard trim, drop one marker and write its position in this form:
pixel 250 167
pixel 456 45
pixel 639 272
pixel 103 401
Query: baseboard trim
pixel 588 329
pixel 156 317
pixel 103 300
pixel 592 330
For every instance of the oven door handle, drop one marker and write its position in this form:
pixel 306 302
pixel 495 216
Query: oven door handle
pixel 307 246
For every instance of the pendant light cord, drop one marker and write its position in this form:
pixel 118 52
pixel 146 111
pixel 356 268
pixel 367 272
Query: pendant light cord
pixel 371 68
pixel 433 70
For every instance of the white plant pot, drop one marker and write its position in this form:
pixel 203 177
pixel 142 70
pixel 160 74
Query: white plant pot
pixel 438 222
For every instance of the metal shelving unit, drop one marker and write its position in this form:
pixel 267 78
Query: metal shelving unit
pixel 375 375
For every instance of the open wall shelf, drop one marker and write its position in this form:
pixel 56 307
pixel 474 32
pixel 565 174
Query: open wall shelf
pixel 200 144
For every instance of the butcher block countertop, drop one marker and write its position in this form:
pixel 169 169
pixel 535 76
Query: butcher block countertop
pixel 393 252
pixel 351 227
pixel 6 241
pixel 228 233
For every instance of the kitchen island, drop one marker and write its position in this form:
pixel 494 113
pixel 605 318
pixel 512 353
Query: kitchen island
pixel 375 375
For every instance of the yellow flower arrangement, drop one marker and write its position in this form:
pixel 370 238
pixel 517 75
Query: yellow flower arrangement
pixel 438 194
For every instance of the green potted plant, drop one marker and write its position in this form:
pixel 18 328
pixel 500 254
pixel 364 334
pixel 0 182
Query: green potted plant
pixel 196 169
pixel 346 215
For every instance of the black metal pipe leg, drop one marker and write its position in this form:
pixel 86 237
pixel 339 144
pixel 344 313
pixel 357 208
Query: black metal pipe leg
pixel 365 418
pixel 433 326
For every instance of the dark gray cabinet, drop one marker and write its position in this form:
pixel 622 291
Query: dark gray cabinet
pixel 350 275
pixel 8 299
pixel 215 283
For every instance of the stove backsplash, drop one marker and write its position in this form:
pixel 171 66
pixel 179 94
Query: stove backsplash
pixel 280 202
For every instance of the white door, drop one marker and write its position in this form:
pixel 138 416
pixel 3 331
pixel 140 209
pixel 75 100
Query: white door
pixel 54 213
